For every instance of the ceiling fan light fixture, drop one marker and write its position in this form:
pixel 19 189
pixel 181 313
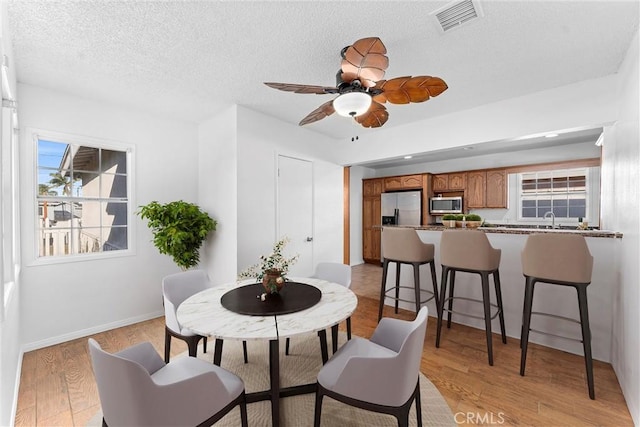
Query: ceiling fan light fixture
pixel 352 104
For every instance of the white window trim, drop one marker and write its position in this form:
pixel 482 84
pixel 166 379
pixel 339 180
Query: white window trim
pixel 32 135
pixel 592 183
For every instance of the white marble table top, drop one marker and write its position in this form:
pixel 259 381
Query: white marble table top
pixel 204 314
pixel 337 303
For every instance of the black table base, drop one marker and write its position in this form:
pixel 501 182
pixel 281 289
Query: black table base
pixel 275 393
pixel 292 298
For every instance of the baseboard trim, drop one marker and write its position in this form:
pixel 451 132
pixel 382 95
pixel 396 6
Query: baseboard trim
pixel 89 331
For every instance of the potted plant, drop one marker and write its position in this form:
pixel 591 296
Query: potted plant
pixel 179 228
pixel 473 221
pixel 272 269
pixel 468 221
pixel 449 220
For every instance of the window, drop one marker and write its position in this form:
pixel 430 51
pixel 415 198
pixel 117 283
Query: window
pixel 563 192
pixel 83 202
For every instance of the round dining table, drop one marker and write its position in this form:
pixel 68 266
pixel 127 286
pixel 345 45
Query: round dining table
pixel 204 313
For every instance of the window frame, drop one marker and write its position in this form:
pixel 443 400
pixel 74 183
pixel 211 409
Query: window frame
pixel 591 194
pixel 92 142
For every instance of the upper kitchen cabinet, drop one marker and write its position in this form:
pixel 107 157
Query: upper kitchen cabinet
pixel 440 182
pixel 457 181
pixel 486 189
pixel 372 187
pixel 496 189
pixel 404 182
pixel 449 181
pixel 475 195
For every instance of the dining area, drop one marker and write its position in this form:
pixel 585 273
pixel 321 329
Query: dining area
pixel 303 306
pixel 457 384
pixel 271 357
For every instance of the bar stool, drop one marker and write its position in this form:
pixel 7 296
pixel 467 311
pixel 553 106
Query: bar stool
pixel 403 246
pixel 470 251
pixel 557 259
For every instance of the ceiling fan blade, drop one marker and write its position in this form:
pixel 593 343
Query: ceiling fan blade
pixel 403 90
pixel 375 117
pixel 366 61
pixel 291 87
pixel 319 113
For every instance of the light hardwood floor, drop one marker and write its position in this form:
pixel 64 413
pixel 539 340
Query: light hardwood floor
pixel 57 386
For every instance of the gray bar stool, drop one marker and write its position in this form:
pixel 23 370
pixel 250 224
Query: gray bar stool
pixel 470 251
pixel 403 246
pixel 557 259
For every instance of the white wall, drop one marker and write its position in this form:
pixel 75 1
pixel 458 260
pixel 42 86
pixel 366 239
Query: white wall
pixel 218 193
pixel 67 300
pixel 621 177
pixel 10 355
pixel 580 105
pixel 586 150
pixel 260 139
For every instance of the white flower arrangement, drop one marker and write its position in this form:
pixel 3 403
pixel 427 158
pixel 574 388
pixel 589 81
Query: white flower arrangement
pixel 275 262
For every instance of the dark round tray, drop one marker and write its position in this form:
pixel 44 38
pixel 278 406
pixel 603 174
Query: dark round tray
pixel 293 297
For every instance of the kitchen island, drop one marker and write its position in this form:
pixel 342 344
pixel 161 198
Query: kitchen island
pixel 559 300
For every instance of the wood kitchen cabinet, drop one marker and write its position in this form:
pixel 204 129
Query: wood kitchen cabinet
pixel 486 189
pixel 371 219
pixel 371 229
pixel 440 182
pixel 449 181
pixel 457 181
pixel 496 189
pixel 372 187
pixel 404 182
pixel 475 194
pixel 412 182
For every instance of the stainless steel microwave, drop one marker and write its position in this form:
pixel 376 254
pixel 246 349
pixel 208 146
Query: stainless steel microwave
pixel 445 205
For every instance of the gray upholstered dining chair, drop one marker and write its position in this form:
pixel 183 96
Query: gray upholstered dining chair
pixel 137 388
pixel 175 289
pixel 337 273
pixel 380 374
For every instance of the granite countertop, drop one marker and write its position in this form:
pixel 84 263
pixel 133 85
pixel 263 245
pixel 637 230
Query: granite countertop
pixel 512 229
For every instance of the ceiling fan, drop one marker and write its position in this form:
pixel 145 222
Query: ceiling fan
pixel 361 90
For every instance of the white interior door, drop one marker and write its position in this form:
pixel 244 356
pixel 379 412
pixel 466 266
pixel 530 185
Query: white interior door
pixel 295 211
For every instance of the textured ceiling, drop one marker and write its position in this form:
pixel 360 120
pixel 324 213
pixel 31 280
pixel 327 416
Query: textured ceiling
pixel 190 59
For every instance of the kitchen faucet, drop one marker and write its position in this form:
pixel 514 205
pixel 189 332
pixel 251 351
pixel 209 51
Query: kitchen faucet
pixel 553 218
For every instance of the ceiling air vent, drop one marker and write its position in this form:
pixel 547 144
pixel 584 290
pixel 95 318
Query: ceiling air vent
pixel 454 14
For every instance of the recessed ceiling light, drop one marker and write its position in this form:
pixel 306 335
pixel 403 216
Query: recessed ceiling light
pixel 551 135
pixel 408 157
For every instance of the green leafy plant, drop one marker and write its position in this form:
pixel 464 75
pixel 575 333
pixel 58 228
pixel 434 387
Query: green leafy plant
pixel 449 217
pixel 473 217
pixel 459 217
pixel 179 228
pixel 272 263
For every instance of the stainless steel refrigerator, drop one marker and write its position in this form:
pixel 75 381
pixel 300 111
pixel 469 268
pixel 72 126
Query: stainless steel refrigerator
pixel 402 208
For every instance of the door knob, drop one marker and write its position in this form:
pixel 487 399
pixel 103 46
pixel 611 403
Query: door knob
pixel 309 239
